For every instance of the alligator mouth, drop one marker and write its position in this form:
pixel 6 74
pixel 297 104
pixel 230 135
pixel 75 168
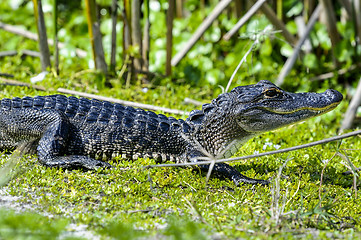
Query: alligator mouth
pixel 317 103
pixel 317 110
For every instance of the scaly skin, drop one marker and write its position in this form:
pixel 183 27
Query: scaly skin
pixel 79 133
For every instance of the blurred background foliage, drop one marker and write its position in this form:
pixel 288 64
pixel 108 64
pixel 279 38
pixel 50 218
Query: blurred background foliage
pixel 210 62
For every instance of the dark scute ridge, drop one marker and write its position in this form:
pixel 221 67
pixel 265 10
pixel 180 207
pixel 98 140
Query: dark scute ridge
pixel 118 107
pixel 96 103
pixel 162 117
pixel 129 109
pixel 27 102
pixel 16 102
pixel 221 99
pixel 104 115
pixel 152 114
pixel 172 119
pixel 130 114
pixel 92 116
pixel 49 102
pixel 38 102
pixel 107 105
pixel 164 126
pixel 84 106
pixel 152 123
pixel 6 104
pixel 140 125
pixel 128 122
pixel 72 108
pixel 141 117
pixel 140 111
pixel 196 117
pixel 61 103
pixel 206 108
pixel 116 118
pixel 175 126
pixel 185 126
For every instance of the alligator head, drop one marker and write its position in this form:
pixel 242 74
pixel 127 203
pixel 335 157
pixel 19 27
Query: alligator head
pixel 264 106
pixel 247 111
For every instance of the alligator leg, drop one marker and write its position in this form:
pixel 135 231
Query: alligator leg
pixel 53 143
pixel 223 170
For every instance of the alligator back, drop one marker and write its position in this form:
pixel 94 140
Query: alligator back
pixel 99 129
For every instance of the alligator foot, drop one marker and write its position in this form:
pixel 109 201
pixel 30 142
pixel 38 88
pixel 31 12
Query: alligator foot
pixel 223 170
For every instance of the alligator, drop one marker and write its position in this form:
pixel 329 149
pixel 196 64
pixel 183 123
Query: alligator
pixel 70 132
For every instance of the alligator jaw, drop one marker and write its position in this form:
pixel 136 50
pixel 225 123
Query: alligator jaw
pixel 316 103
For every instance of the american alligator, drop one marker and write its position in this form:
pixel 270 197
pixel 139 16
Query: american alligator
pixel 72 132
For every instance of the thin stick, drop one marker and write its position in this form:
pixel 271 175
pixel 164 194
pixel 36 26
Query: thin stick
pixel 56 40
pixel 240 63
pixel 200 30
pixel 95 36
pixel 9 53
pixel 341 71
pixel 244 19
pixel 311 144
pixel 352 108
pixel 123 102
pixel 291 60
pixel 352 169
pixel 87 95
pixel 136 32
pixel 192 101
pixel 321 178
pixel 114 14
pixel 256 41
pixel 146 36
pixel 169 37
pixel 33 36
pixel 272 17
pixel 6 75
pixel 42 35
pixel 357 19
pixel 12 82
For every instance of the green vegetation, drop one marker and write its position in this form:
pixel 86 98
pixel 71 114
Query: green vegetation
pixel 128 201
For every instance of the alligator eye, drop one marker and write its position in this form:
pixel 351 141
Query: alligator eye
pixel 271 93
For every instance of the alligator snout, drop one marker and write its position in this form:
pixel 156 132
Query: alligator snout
pixel 334 96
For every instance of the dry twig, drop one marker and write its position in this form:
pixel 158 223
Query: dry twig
pixel 352 108
pixel 200 30
pixel 123 102
pixel 27 34
pixel 291 60
pixel 307 145
pixel 244 19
